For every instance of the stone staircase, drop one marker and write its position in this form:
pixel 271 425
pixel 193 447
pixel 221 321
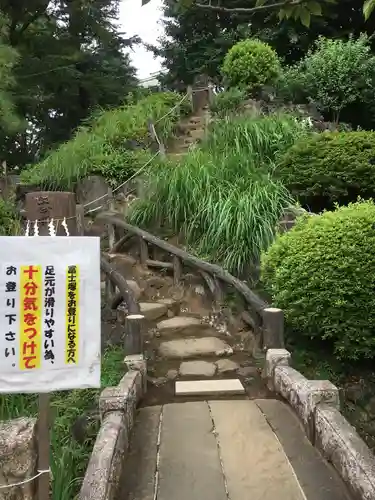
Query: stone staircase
pixel 190 131
pixel 192 348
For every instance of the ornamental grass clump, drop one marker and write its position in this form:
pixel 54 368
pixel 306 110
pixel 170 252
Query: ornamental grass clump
pixel 222 197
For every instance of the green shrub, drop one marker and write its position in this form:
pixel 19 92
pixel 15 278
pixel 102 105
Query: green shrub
pixel 334 75
pixel 228 101
pixel 249 64
pixel 323 169
pixel 114 144
pixel 321 273
pixel 10 224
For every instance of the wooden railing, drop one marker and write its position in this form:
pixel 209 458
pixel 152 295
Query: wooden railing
pixel 265 320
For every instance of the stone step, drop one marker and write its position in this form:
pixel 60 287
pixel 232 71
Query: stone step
pixel 153 310
pixel 183 326
pixel 199 368
pixel 194 348
pixel 209 387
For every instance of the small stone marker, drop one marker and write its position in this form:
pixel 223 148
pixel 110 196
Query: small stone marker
pixel 209 387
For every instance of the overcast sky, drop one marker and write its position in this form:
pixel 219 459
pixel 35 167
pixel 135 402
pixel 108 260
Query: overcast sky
pixel 144 22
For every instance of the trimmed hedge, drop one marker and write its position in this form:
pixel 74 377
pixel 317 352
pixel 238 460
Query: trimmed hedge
pixel 321 273
pixel 330 168
pixel 249 64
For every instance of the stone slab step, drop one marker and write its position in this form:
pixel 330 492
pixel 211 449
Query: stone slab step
pixel 183 326
pixel 197 369
pixel 200 368
pixel 153 310
pixel 209 387
pixel 194 347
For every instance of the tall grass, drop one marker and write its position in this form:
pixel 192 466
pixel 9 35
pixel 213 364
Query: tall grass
pixel 69 458
pixel 112 143
pixel 222 197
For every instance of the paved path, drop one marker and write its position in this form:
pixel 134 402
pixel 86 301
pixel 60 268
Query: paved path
pixel 225 450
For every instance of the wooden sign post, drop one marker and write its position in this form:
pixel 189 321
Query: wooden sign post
pixel 42 207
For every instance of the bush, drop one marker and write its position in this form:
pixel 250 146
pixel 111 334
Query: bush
pixel 228 101
pixel 10 224
pixel 249 64
pixel 326 168
pixel 321 273
pixel 113 144
pixel 335 75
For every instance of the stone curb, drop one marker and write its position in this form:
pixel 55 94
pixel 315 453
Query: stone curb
pixel 317 404
pixel 117 406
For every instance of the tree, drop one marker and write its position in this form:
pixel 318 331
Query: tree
pixel 71 61
pixel 9 121
pixel 196 41
pixel 302 10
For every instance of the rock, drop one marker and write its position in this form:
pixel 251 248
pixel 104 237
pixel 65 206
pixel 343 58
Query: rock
pixel 172 374
pixel 153 310
pixel 123 263
pixel 86 426
pixel 248 371
pixel 226 366
pixel 157 381
pixel 170 314
pixel 190 348
pixel 370 406
pixel 197 369
pixel 18 457
pixel 173 306
pixel 182 325
pixel 354 393
pixel 135 288
pixel 91 188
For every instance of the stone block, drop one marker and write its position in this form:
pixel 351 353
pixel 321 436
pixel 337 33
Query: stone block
pixel 197 369
pixel 209 387
pixel 103 473
pixel 341 445
pixel 304 395
pixel 124 397
pixel 275 357
pixel 138 362
pixel 18 458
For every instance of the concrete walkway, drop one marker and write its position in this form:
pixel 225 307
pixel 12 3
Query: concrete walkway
pixel 225 450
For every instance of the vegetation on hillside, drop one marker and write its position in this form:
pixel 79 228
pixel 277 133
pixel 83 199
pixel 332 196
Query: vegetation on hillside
pixel 114 144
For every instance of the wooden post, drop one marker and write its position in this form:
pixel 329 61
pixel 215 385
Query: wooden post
pixel 177 270
pixel 189 92
pixel 80 212
pixel 200 93
pixel 273 328
pixel 44 206
pixel 143 251
pixel 43 435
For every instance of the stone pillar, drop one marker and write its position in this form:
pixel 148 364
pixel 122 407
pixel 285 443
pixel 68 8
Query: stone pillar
pixel 18 458
pixel 45 205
